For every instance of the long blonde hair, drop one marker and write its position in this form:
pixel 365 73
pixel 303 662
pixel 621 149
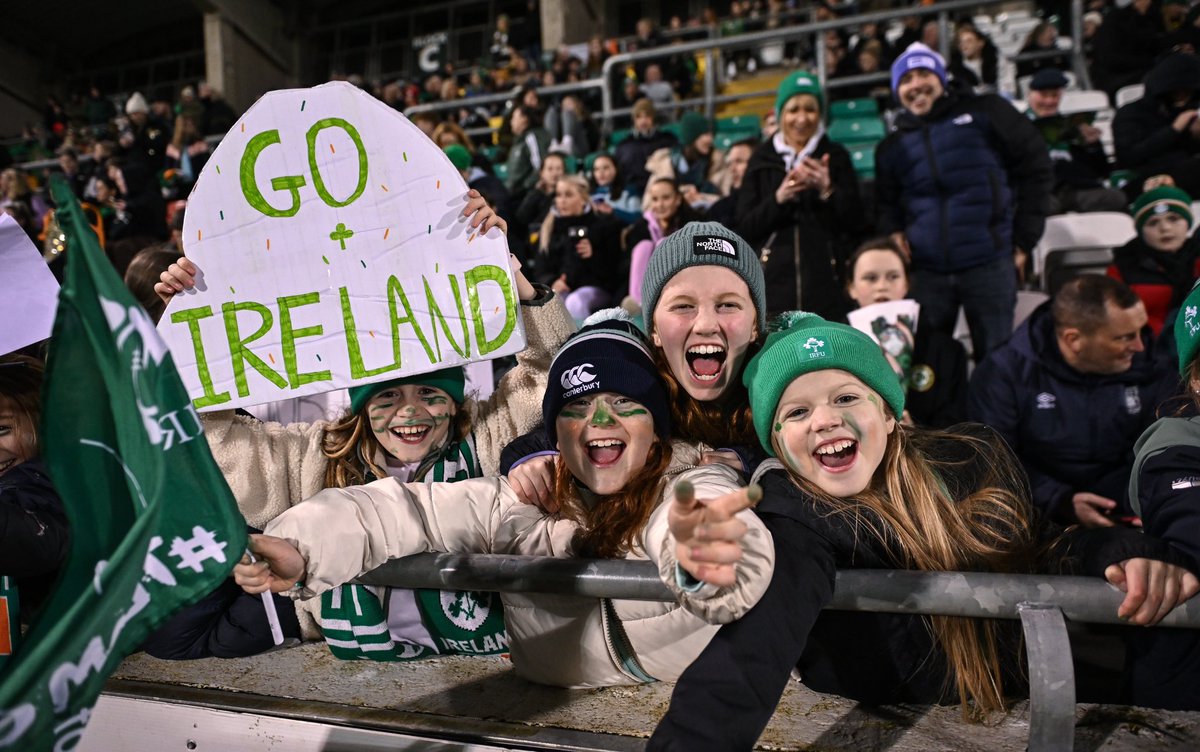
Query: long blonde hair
pixel 351 446
pixel 579 183
pixel 917 506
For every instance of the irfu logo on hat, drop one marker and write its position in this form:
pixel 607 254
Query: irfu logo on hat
pixel 1189 319
pixel 815 347
pixel 712 244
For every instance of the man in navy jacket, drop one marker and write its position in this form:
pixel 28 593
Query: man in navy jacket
pixel 1071 392
pixel 965 180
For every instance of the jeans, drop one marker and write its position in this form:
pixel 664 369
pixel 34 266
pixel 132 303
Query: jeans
pixel 987 293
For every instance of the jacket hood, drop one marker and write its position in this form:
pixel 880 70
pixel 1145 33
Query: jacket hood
pixel 1035 340
pixel 1173 73
pixel 956 91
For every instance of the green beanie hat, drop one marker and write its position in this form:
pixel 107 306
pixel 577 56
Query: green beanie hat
pixel 810 343
pixel 800 82
pixel 704 244
pixel 452 381
pixel 459 156
pixel 1187 328
pixel 1165 198
pixel 692 126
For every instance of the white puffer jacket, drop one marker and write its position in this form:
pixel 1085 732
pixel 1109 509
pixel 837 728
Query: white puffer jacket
pixel 558 640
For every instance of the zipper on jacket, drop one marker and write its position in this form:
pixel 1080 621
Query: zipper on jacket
pixel 942 200
pixel 619 645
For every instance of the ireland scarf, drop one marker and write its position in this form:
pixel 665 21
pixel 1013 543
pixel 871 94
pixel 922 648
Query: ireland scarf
pixel 154 527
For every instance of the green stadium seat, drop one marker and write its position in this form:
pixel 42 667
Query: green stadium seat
pixel 672 128
pixel 571 163
pixel 862 156
pixel 617 137
pixel 491 153
pixel 853 108
pixel 501 170
pixel 856 129
pixel 738 123
pixel 724 140
pixel 590 159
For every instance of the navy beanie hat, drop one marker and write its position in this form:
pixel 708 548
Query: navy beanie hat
pixel 609 354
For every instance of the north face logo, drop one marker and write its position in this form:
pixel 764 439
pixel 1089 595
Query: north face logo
pixel 577 376
pixel 711 244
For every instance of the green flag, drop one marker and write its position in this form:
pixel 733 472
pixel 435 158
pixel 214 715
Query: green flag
pixel 153 525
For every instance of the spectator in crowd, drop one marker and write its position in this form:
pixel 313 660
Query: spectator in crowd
pixel 531 144
pixel 68 162
pixel 737 160
pixel 936 395
pixel 1070 393
pixel 218 116
pixel 640 144
pixel 14 189
pixel 1161 264
pixel 98 109
pixel 1080 164
pixel 852 489
pixel 873 35
pixel 1092 21
pixel 144 140
pixel 187 153
pixel 579 251
pixel 1160 133
pixel 963 183
pixel 655 88
pixel 976 61
pixel 609 194
pixel 536 204
pixel 1126 45
pixel 34 531
pixel 627 493
pixel 1043 39
pixel 668 213
pixel 1163 666
pixel 1187 37
pixel 144 272
pixel 571 128
pixel 489 186
pixel 869 59
pixel 800 204
pixel 698 158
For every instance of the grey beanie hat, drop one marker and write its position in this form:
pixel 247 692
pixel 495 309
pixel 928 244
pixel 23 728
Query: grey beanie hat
pixel 704 244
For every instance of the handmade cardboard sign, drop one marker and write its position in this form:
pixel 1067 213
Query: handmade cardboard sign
pixel 28 291
pixel 893 325
pixel 332 252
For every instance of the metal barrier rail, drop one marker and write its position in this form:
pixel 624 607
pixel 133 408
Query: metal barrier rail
pixel 1042 603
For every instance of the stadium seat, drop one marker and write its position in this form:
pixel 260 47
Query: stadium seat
pixel 853 108
pixel 1077 244
pixel 501 170
pixel 738 124
pixel 1027 302
pixel 856 130
pixel 590 159
pixel 673 128
pixel 724 140
pixel 491 153
pixel 617 137
pixel 570 163
pixel 1083 101
pixel 863 157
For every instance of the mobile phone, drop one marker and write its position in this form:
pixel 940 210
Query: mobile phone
pixel 578 232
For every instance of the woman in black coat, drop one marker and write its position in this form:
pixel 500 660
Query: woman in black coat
pixel 800 205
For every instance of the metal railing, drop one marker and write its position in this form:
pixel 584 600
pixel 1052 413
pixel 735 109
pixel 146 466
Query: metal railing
pixel 1042 603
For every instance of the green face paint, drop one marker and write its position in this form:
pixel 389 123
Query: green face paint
pixel 632 412
pixel 778 427
pixel 601 416
pixel 854 427
pixel 435 400
pixel 570 414
pixel 875 401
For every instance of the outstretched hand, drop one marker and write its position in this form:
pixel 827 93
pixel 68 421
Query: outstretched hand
pixel 277 567
pixel 1152 588
pixel 178 277
pixel 708 533
pixel 481 216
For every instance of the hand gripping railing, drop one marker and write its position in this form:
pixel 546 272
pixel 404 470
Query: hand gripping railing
pixel 1041 602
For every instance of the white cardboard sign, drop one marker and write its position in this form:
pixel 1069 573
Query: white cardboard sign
pixel 28 291
pixel 332 252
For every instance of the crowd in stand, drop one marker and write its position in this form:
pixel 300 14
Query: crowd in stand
pixel 1069 466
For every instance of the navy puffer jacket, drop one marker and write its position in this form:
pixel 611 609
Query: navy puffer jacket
pixel 967 183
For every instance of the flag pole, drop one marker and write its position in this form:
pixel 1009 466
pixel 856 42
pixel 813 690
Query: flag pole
pixel 269 607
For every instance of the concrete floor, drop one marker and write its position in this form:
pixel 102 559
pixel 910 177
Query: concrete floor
pixel 483 696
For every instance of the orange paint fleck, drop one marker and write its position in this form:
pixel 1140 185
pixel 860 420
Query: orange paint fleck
pixel 331 149
pixel 243 127
pixel 472 237
pixel 272 357
pixel 268 244
pixel 198 235
pixel 372 333
pixel 439 185
pixel 385 233
pixel 384 187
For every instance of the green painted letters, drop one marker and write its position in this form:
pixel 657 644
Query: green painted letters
pixel 318 181
pixel 192 316
pixel 240 354
pixel 290 335
pixel 435 315
pixel 490 273
pixel 250 189
pixel 357 370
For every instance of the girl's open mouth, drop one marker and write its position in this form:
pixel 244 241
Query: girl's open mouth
pixel 7 464
pixel 705 361
pixel 411 434
pixel 837 455
pixel 604 452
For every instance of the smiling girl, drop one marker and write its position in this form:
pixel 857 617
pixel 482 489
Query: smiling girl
pixel 852 488
pixel 628 492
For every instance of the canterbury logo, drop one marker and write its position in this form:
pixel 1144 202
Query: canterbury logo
pixel 577 376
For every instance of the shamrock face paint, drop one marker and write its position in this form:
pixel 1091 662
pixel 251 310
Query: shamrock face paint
pixel 604 438
pixel 832 431
pixel 412 420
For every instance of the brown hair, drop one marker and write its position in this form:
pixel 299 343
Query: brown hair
pixel 911 507
pixel 351 446
pixel 20 393
pixel 454 129
pixel 883 243
pixel 609 528
pixel 1082 302
pixel 143 272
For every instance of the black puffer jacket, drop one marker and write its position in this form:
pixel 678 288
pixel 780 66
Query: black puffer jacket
pixel 34 537
pixel 1142 132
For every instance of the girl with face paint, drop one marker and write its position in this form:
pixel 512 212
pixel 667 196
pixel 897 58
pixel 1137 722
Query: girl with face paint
pixel 421 428
pixel 852 488
pixel 627 492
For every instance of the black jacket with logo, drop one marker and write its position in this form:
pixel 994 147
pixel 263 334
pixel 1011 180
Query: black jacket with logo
pixel 1072 431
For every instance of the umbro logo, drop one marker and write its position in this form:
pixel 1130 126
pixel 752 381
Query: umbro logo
pixel 964 119
pixel 577 376
pixel 1046 401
